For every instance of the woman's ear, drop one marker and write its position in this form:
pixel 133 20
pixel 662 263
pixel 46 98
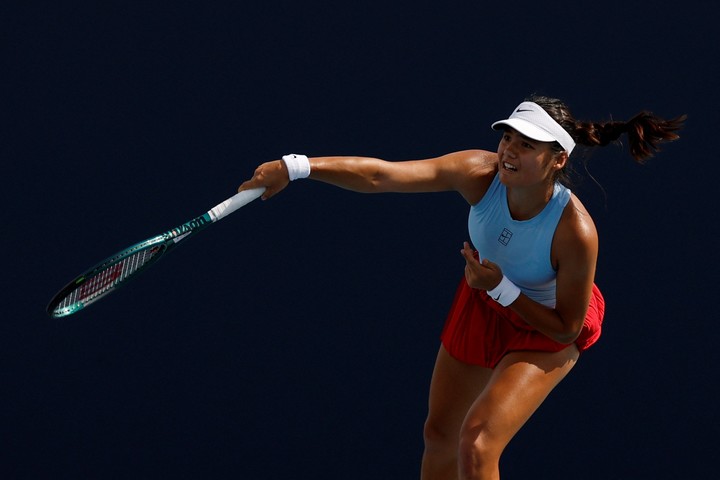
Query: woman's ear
pixel 560 160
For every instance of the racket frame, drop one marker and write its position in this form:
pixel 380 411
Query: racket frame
pixel 163 242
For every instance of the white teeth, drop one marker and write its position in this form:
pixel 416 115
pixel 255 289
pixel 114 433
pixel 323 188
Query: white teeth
pixel 508 166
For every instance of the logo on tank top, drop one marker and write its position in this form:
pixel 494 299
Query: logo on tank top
pixel 505 236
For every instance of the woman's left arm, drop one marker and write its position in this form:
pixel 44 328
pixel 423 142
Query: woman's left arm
pixel 574 255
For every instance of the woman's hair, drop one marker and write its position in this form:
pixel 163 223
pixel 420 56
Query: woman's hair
pixel 645 131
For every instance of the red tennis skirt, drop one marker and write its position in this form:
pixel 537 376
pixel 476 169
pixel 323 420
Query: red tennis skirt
pixel 480 331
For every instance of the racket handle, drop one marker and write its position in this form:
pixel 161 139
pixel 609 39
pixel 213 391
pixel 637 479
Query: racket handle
pixel 233 203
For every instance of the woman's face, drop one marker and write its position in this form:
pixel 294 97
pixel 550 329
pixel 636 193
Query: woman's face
pixel 523 161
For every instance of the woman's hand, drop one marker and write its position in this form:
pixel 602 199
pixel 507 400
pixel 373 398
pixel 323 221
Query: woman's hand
pixel 485 275
pixel 271 175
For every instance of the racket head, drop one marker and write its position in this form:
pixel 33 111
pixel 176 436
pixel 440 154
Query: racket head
pixel 107 276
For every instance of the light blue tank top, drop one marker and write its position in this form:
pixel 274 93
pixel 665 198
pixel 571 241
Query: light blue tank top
pixel 520 248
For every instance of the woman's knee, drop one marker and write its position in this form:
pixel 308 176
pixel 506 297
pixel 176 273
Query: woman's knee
pixel 478 452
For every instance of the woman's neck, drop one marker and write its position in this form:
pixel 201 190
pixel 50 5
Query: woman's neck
pixel 525 203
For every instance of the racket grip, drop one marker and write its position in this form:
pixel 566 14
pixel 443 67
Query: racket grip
pixel 233 203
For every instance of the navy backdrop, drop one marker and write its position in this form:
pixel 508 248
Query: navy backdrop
pixel 296 338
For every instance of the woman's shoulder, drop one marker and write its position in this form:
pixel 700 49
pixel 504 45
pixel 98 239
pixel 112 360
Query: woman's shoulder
pixel 576 226
pixel 474 162
pixel 474 171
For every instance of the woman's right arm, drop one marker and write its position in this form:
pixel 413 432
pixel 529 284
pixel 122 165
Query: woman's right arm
pixel 458 171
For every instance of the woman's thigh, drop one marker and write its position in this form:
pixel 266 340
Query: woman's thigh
pixel 517 387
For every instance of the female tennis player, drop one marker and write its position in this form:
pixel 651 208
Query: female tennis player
pixel 527 305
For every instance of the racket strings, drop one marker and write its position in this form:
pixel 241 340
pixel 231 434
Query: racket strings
pixel 108 278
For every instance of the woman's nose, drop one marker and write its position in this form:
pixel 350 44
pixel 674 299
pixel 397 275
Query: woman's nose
pixel 510 151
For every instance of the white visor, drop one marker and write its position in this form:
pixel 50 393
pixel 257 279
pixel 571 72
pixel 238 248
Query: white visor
pixel 531 120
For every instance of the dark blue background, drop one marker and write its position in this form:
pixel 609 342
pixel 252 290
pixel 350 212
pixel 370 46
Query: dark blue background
pixel 296 338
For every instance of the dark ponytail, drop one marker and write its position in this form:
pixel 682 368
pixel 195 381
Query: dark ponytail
pixel 645 131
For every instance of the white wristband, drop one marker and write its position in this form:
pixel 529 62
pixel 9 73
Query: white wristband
pixel 298 166
pixel 505 293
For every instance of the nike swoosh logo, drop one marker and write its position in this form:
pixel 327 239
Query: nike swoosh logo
pixel 526 110
pixel 496 299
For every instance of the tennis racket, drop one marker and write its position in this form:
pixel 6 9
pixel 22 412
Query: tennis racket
pixel 116 270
